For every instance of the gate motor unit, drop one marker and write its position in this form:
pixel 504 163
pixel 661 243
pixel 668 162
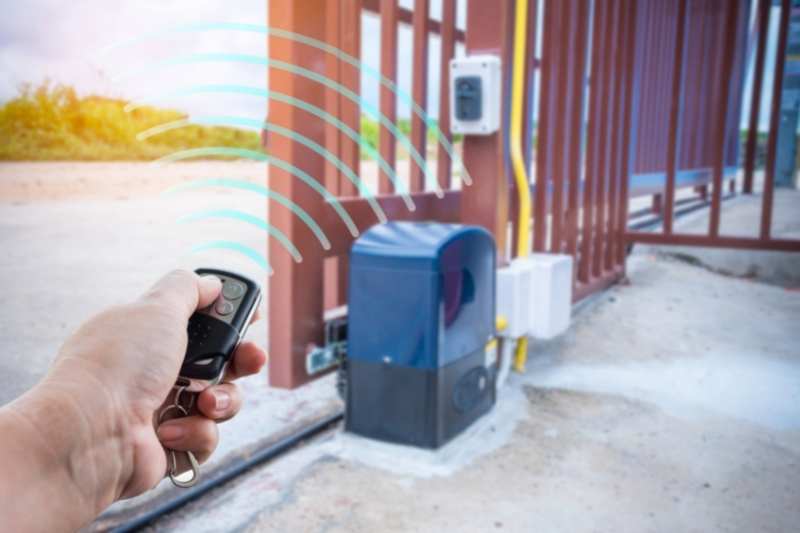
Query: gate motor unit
pixel 421 312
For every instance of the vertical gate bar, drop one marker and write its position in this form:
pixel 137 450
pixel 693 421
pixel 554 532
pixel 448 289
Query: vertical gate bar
pixel 675 118
pixel 661 95
pixel 295 289
pixel 485 202
pixel 628 137
pixel 625 71
pixel 654 100
pixel 575 153
pixel 643 45
pixel 643 153
pixel 592 145
pixel 419 91
pixel 648 87
pixel 614 150
pixel 733 143
pixel 660 110
pixel 600 230
pixel 697 119
pixel 713 84
pixel 350 43
pixel 774 122
pixel 706 83
pixel 349 40
pixel 559 133
pixel 706 94
pixel 641 160
pixel 530 100
pixel 692 90
pixel 721 133
pixel 333 68
pixel 615 235
pixel 542 131
pixel 332 106
pixel 388 100
pixel 734 147
pixel 448 29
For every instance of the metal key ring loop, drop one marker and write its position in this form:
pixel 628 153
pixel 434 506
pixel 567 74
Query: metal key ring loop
pixel 181 410
pixel 195 467
pixel 173 459
pixel 181 386
pixel 179 390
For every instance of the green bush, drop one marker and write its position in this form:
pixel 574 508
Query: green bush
pixel 48 123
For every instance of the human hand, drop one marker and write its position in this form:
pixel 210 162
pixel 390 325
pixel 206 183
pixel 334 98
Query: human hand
pixel 109 381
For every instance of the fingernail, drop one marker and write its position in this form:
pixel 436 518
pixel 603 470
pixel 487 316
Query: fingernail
pixel 221 400
pixel 210 278
pixel 170 432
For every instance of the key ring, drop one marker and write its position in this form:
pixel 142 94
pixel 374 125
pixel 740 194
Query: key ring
pixel 180 387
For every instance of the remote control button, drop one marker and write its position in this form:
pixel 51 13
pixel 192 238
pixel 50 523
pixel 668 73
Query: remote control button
pixel 232 290
pixel 224 307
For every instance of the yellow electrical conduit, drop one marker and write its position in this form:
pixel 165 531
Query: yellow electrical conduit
pixel 517 159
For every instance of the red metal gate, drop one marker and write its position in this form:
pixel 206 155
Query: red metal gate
pixel 624 110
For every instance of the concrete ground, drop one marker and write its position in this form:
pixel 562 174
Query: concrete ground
pixel 672 404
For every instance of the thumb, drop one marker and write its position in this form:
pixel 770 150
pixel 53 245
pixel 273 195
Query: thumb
pixel 185 291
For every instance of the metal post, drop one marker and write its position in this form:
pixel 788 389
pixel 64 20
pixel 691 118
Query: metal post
pixel 675 115
pixel 485 202
pixel 388 100
pixel 419 91
pixel 720 135
pixel 443 173
pixel 295 290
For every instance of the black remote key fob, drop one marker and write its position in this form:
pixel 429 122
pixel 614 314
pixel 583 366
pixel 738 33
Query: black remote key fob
pixel 215 331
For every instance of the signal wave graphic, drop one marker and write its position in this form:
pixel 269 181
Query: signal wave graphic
pixel 277 96
pixel 250 219
pixel 243 153
pixel 320 45
pixel 266 126
pixel 279 198
pixel 430 179
pixel 235 247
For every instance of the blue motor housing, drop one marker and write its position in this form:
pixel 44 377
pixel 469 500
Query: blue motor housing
pixel 421 310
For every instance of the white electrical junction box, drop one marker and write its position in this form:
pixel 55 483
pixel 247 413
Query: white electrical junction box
pixel 475 94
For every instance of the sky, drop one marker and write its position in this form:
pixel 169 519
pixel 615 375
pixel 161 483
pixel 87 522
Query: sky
pixel 65 42
pixel 72 49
